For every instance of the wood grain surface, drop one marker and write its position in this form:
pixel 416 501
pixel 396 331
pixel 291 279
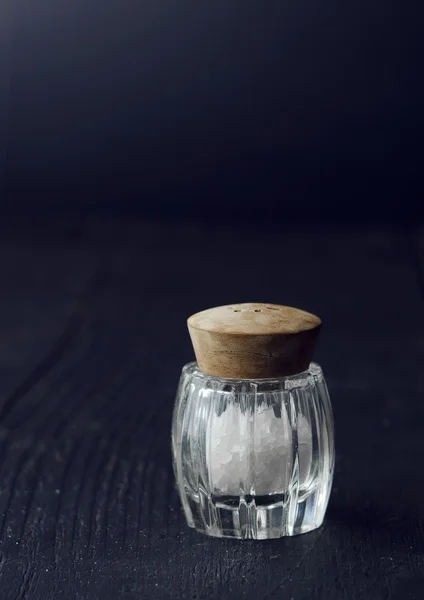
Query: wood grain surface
pixel 253 340
pixel 92 340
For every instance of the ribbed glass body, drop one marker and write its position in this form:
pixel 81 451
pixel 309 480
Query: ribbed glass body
pixel 253 458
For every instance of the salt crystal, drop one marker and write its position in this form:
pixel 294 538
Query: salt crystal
pixel 258 465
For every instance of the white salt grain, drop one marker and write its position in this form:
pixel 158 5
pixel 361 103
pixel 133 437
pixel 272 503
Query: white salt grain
pixel 239 467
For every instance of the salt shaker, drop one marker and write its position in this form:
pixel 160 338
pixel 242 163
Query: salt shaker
pixel 252 432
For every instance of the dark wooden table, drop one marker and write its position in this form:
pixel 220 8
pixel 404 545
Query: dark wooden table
pixel 93 337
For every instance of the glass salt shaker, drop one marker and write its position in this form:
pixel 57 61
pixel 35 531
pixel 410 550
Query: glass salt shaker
pixel 252 433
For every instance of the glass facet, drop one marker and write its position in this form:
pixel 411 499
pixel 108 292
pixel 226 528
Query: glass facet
pixel 253 458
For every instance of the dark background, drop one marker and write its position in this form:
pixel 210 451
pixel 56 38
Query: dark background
pixel 303 110
pixel 158 158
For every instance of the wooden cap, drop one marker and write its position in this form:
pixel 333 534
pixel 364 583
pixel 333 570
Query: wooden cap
pixel 253 341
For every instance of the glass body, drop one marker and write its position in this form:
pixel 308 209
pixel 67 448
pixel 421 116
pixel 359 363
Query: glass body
pixel 253 458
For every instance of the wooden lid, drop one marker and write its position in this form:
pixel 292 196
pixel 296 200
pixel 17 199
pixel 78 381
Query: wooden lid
pixel 253 341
